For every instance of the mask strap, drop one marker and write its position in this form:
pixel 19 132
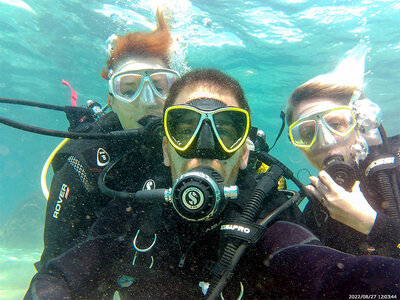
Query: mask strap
pixel 283 116
pixel 110 74
pixel 356 95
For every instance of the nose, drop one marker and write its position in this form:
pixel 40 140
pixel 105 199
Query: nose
pixel 147 96
pixel 325 137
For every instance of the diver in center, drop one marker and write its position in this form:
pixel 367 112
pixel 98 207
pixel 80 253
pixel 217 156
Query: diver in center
pixel 146 248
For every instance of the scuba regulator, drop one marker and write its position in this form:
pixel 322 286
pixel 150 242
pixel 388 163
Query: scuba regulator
pixel 343 173
pixel 369 117
pixel 196 196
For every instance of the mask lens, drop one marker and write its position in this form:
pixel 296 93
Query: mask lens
pixel 340 121
pixel 162 81
pixel 303 134
pixel 231 127
pixel 181 125
pixel 127 85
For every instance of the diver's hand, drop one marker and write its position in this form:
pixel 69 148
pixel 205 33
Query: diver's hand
pixel 349 208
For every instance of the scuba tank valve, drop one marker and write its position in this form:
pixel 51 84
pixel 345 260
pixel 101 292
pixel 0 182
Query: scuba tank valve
pixel 98 112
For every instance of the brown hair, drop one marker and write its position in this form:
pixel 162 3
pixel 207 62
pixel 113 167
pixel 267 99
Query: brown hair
pixel 315 90
pixel 148 44
pixel 211 78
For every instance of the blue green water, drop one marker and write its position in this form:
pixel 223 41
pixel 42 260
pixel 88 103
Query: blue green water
pixel 271 47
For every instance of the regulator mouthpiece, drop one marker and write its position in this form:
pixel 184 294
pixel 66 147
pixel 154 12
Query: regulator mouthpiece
pixel 343 173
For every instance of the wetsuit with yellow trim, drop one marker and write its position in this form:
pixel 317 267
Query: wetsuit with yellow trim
pixel 74 197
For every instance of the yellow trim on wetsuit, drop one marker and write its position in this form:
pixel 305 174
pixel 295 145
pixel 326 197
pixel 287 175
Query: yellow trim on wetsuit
pixel 43 180
pixel 264 168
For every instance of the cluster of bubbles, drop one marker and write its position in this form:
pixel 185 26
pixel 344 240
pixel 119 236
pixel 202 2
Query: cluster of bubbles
pixel 132 15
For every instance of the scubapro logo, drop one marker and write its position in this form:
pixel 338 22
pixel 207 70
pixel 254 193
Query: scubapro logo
pixel 192 198
pixel 103 158
pixel 235 228
pixel 149 185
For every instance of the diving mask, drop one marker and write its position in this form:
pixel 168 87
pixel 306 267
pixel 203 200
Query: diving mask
pixel 126 86
pixel 206 133
pixel 332 123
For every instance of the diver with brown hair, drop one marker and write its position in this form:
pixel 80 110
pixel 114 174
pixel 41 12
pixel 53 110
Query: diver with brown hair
pixel 139 77
pixel 340 133
pixel 204 241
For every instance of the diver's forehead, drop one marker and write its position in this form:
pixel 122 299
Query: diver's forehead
pixel 189 93
pixel 314 106
pixel 206 103
pixel 135 64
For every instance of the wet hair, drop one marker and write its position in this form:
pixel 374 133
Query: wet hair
pixel 212 79
pixel 314 90
pixel 145 44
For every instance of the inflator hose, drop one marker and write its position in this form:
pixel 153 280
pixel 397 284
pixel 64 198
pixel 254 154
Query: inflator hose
pixel 121 134
pixel 270 160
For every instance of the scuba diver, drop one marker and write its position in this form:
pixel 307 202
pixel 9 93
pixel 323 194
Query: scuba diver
pixel 340 133
pixel 189 241
pixel 139 78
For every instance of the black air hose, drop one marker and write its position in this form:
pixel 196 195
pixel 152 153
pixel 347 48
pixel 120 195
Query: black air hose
pixel 387 192
pixel 388 185
pixel 249 214
pixel 267 184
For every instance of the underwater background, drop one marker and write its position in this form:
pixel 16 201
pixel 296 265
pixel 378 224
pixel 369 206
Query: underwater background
pixel 271 47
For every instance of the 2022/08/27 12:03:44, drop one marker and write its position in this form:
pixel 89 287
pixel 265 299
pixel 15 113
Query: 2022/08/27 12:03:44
pixel 372 296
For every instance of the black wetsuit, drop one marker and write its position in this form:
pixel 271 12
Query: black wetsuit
pixel 75 198
pixel 184 255
pixel 384 238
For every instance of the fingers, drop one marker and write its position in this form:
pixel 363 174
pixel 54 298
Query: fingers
pixel 356 187
pixel 315 193
pixel 322 187
pixel 327 180
pixel 317 182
